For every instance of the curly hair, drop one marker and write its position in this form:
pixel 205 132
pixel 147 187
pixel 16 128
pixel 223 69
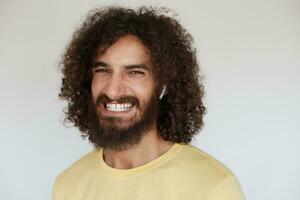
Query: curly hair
pixel 181 110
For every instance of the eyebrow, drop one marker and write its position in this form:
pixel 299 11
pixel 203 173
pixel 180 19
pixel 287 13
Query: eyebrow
pixel 137 66
pixel 100 64
pixel 133 66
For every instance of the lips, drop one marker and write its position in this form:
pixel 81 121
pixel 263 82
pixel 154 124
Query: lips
pixel 118 107
pixel 123 105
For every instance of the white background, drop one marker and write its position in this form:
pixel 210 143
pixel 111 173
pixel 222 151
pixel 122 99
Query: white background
pixel 249 53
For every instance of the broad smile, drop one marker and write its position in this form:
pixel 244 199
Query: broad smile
pixel 116 109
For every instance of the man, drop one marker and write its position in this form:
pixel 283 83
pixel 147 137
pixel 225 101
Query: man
pixel 131 81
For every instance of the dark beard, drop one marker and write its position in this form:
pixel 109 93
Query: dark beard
pixel 120 139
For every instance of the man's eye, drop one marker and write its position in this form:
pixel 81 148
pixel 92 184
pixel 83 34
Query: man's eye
pixel 100 71
pixel 136 72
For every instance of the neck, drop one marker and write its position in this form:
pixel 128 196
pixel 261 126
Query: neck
pixel 151 147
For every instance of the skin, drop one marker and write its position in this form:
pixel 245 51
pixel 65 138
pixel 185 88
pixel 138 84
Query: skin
pixel 124 69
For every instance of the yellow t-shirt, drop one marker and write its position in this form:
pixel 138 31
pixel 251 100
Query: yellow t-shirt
pixel 184 172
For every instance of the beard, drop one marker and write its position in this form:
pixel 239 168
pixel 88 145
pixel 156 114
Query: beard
pixel 104 132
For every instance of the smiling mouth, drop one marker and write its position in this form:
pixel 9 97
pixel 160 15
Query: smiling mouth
pixel 116 107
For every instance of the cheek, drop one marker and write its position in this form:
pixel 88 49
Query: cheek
pixel 143 91
pixel 95 88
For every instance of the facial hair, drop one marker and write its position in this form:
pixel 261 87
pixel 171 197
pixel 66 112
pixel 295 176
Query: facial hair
pixel 108 135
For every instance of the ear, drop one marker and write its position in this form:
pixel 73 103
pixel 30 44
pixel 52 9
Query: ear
pixel 162 91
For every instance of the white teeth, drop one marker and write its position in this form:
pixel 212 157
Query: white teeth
pixel 118 107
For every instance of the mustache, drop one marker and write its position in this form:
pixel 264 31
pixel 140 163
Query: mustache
pixel 103 98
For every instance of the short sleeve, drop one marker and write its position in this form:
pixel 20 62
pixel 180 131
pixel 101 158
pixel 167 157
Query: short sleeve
pixel 229 189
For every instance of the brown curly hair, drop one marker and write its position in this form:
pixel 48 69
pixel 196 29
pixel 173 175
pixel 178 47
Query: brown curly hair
pixel 174 59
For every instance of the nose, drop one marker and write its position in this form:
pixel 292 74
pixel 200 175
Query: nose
pixel 115 87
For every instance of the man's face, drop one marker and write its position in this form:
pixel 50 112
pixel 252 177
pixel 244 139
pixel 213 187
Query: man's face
pixel 123 93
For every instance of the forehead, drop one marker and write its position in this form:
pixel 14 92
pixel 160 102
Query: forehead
pixel 126 50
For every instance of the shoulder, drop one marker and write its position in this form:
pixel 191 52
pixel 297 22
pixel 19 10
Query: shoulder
pixel 201 167
pixel 86 162
pixel 71 175
pixel 219 181
pixel 195 158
